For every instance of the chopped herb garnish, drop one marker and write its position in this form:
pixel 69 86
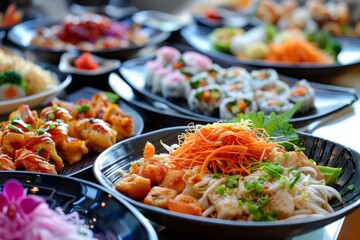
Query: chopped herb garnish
pixel 295 179
pixel 40 131
pixel 273 173
pixel 41 150
pixel 215 175
pixel 83 108
pixel 290 169
pixel 51 116
pixel 232 181
pixel 52 126
pixel 299 149
pixel 221 190
pixel 28 127
pixel 14 120
pixel 54 107
pixel 351 187
pixel 13 128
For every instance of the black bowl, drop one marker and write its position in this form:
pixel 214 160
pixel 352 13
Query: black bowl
pixel 110 162
pixel 109 216
pixel 22 33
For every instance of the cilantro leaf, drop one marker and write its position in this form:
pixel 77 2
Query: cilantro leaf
pixel 276 125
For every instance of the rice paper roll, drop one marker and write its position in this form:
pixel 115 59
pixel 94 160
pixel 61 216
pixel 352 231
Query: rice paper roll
pixel 238 88
pixel 150 68
pixel 232 74
pixel 158 78
pixel 263 78
pixel 278 89
pixel 275 104
pixel 167 55
pixel 206 100
pixel 173 85
pixel 231 107
pixel 303 91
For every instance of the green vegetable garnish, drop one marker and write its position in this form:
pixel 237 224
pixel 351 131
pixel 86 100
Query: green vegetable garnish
pixel 220 38
pixel 215 175
pixel 40 131
pixel 351 187
pixel 276 125
pixel 41 150
pixel 295 179
pixel 12 77
pixel 112 97
pixel 13 128
pixel 83 108
pixel 331 174
pixel 221 190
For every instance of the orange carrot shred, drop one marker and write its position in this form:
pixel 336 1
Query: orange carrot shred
pixel 223 148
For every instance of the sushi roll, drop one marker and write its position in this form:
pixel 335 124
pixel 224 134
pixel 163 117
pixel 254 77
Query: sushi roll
pixel 263 78
pixel 303 91
pixel 150 68
pixel 215 72
pixel 238 88
pixel 12 85
pixel 173 85
pixel 277 105
pixel 159 75
pixel 199 80
pixel 232 74
pixel 231 107
pixel 206 99
pixel 167 55
pixel 197 62
pixel 278 89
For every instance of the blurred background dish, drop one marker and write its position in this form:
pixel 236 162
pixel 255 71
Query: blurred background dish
pixel 109 217
pixel 40 98
pixel 87 69
pixel 119 157
pixel 198 38
pixel 23 34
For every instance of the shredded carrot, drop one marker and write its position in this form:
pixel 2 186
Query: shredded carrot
pixel 223 148
pixel 297 51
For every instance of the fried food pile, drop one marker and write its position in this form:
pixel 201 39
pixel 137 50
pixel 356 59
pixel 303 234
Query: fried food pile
pixel 61 133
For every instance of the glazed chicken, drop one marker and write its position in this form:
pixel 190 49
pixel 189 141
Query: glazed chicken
pixel 62 132
pixel 97 134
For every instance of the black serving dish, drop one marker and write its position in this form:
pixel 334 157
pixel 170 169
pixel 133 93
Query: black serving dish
pixel 328 99
pixel 109 216
pixel 118 158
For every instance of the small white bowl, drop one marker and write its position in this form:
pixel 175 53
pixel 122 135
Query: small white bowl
pixel 38 99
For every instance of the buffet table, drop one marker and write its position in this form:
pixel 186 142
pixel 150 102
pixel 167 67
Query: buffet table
pixel 341 127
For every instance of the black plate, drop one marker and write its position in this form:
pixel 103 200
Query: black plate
pixel 110 162
pixel 110 216
pixel 328 99
pixel 22 33
pixel 197 37
pixel 87 161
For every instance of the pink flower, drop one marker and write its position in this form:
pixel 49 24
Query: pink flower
pixel 15 203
